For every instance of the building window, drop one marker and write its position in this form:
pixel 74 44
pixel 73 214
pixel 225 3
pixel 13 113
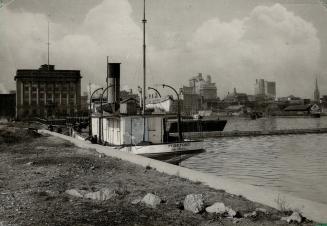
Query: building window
pixel 50 87
pixel 42 87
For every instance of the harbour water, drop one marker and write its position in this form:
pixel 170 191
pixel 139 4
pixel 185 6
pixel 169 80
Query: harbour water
pixel 293 164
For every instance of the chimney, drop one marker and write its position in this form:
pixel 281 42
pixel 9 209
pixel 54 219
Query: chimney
pixel 114 79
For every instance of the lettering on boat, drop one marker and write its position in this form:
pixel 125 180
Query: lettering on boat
pixel 178 145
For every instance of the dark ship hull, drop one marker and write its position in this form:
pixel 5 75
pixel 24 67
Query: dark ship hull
pixel 191 125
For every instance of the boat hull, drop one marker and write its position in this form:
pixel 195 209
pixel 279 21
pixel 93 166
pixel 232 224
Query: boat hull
pixel 204 125
pixel 172 153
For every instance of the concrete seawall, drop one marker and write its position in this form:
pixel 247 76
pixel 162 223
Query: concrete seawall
pixel 237 133
pixel 312 210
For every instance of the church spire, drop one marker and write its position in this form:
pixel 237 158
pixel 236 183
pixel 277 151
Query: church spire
pixel 316 92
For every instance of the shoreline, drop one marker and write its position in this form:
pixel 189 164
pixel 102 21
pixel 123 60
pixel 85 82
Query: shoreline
pixel 310 209
pixel 40 169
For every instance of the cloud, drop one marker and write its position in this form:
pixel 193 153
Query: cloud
pixel 107 30
pixel 3 89
pixel 270 43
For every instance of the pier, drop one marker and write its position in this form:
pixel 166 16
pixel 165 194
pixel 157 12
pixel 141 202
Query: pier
pixel 236 133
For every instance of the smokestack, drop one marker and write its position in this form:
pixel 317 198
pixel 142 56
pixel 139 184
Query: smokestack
pixel 114 80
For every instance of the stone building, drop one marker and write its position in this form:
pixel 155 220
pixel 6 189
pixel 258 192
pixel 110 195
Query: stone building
pixel 46 92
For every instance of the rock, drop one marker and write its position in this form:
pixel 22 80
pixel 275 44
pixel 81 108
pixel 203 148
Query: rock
pixel 252 214
pixel 220 208
pixel 52 193
pixel 75 193
pixel 136 201
pixel 151 200
pixel 101 195
pixel 217 207
pixel 262 210
pixel 231 212
pixel 235 221
pixel 295 217
pixel 194 203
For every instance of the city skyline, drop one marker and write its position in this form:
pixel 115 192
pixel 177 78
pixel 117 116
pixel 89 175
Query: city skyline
pixel 233 41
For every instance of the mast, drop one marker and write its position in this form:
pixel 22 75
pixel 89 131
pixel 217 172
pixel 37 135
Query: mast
pixel 107 79
pixel 144 69
pixel 48 45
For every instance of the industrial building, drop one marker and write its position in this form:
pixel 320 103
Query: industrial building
pixel 46 92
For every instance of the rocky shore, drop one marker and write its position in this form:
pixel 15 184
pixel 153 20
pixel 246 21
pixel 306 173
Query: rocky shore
pixel 48 181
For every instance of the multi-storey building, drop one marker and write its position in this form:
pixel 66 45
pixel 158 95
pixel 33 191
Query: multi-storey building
pixel 200 94
pixel 191 100
pixel 204 87
pixel 265 89
pixel 270 89
pixel 46 92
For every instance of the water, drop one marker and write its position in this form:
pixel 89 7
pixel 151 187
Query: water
pixel 294 164
pixel 274 123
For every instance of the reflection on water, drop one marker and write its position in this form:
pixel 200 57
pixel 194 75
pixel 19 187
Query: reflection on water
pixel 295 164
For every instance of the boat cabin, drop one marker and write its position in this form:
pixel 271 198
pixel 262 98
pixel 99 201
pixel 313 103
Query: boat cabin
pixel 128 129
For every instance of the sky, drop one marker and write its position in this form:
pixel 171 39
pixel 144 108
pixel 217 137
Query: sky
pixel 234 41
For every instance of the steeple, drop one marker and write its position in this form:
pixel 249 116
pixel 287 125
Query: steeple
pixel 316 93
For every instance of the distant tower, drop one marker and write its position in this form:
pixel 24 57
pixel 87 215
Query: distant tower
pixel 316 94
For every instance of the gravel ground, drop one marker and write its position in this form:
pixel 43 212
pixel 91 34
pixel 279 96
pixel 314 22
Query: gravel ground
pixel 35 172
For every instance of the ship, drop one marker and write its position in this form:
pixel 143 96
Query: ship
pixel 119 125
pixel 197 125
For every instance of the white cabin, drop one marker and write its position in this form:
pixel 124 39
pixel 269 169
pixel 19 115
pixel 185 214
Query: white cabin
pixel 128 130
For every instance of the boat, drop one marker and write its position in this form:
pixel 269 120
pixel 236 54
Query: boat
pixel 117 123
pixel 198 125
pixel 172 153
